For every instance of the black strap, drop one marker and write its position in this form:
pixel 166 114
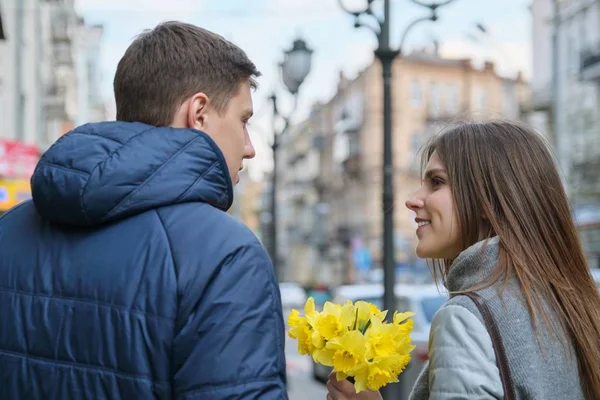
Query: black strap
pixel 492 328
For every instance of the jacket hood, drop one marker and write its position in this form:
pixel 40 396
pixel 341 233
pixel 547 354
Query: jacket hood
pixel 106 171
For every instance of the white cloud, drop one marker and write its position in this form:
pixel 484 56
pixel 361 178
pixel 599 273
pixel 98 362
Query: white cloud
pixel 508 57
pixel 504 44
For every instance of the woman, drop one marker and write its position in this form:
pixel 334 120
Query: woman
pixel 494 217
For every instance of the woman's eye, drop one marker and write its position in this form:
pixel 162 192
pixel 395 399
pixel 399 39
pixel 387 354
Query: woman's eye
pixel 436 182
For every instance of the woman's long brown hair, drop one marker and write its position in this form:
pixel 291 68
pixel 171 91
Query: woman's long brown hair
pixel 503 173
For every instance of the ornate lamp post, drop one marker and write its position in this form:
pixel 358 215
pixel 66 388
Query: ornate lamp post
pixel 386 55
pixel 294 69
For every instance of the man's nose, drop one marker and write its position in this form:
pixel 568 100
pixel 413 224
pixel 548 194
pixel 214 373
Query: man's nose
pixel 249 151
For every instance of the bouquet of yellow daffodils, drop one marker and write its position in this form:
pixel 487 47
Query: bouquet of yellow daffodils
pixel 355 340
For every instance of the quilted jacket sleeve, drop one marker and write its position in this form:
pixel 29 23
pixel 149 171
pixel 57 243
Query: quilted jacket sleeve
pixel 462 361
pixel 232 344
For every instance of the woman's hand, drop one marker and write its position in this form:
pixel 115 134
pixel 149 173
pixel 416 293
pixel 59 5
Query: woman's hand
pixel 344 390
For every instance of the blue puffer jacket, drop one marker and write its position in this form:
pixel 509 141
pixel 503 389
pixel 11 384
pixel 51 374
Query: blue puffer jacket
pixel 126 279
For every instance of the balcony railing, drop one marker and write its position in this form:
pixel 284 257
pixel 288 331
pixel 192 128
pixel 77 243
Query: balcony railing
pixel 63 54
pixel 590 63
pixel 60 31
pixel 61 26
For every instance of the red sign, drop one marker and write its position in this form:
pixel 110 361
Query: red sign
pixel 17 160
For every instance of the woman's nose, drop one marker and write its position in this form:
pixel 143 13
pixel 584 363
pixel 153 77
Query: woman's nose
pixel 414 202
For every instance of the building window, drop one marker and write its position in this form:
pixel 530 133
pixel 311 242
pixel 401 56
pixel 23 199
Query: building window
pixel 415 93
pixel 480 98
pixel 572 51
pixel 341 147
pixel 453 98
pixel 415 143
pixel 353 143
pixel 574 45
pixel 434 100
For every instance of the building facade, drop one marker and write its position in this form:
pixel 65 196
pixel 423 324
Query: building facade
pixel 21 70
pixel 542 82
pixel 566 89
pixel 576 28
pixel 429 92
pixel 302 212
pixel 49 82
pixel 49 71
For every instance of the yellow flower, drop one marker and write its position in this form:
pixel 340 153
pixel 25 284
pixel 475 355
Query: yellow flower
pixel 317 340
pixel 399 363
pixel 403 348
pixel 381 338
pixel 301 328
pixel 365 312
pixel 329 324
pixel 334 320
pixel 311 338
pixel 401 317
pixel 374 309
pixel 376 373
pixel 310 312
pixel 303 333
pixel 355 341
pixel 294 319
pixel 346 352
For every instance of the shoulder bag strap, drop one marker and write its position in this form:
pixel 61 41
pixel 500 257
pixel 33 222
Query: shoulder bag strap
pixel 492 328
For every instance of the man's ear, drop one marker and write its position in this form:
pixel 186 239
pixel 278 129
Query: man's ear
pixel 197 114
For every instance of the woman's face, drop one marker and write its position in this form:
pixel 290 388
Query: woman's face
pixel 436 216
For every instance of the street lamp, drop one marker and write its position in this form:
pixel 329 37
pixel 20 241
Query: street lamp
pixel 294 69
pixel 386 55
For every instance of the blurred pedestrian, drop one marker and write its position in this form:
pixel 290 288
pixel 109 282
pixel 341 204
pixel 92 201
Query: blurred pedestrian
pixel 523 320
pixel 125 278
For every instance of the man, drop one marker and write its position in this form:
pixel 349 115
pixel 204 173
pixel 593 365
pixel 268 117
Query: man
pixel 125 278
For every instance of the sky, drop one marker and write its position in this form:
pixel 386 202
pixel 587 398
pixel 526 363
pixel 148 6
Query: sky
pixel 266 28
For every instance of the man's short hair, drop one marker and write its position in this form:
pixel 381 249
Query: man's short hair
pixel 175 60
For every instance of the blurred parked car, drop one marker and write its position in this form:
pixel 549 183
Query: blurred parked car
pixel 292 296
pixel 424 300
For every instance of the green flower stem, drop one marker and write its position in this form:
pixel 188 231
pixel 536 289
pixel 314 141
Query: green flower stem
pixel 366 326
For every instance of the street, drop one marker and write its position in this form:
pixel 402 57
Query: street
pixel 301 385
